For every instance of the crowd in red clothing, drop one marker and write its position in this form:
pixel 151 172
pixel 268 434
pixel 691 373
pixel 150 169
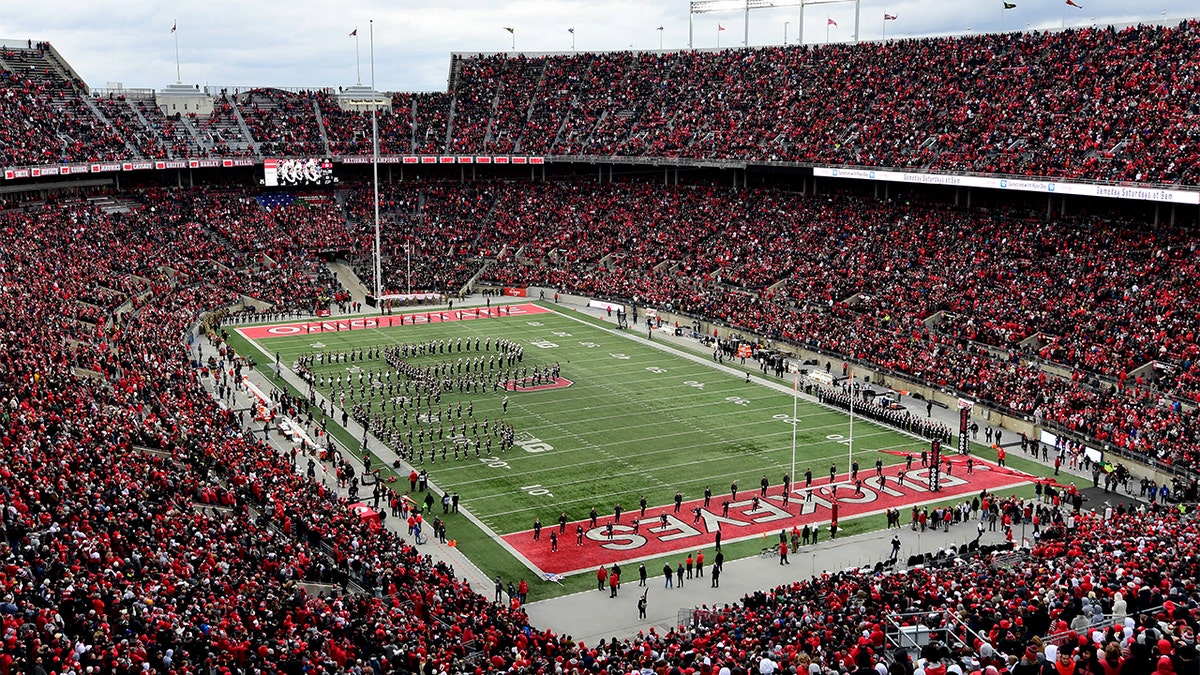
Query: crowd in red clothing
pixel 1097 582
pixel 981 103
pixel 145 530
pixel 114 559
pixel 981 302
pixel 988 103
pixel 112 456
pixel 284 124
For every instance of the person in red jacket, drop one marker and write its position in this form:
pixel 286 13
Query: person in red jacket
pixel 601 575
pixel 614 580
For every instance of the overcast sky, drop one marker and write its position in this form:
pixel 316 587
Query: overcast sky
pixel 306 42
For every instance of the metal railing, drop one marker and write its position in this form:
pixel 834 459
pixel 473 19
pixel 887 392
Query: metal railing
pixel 1062 637
pixel 913 630
pixel 137 94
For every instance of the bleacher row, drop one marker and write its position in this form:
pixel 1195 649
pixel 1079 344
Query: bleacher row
pixel 985 103
pixel 144 531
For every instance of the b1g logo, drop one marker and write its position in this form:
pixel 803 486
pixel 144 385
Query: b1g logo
pixel 527 442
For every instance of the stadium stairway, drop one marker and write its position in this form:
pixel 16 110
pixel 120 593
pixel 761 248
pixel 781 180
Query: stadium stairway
pixel 350 281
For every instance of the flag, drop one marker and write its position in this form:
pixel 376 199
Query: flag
pixel 830 22
pixel 889 17
pixel 571 31
pixel 659 28
pixel 1071 3
pixel 174 25
pixel 353 32
pixel 510 30
pixel 1009 5
pixel 720 28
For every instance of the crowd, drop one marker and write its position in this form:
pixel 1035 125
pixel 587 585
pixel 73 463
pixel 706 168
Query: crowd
pixel 979 103
pixel 995 305
pixel 42 118
pixel 1045 325
pixel 283 123
pixel 433 236
pixel 142 528
pixel 145 530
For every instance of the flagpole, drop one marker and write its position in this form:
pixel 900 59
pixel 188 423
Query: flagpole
pixel 375 165
pixel 850 443
pixel 357 59
pixel 795 402
pixel 827 29
pixel 175 30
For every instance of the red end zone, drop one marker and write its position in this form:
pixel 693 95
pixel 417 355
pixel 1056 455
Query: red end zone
pixel 390 321
pixel 683 533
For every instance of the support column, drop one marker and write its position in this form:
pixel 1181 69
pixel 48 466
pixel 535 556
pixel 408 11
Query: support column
pixel 746 27
pixel 800 35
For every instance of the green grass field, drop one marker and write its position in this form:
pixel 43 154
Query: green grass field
pixel 637 421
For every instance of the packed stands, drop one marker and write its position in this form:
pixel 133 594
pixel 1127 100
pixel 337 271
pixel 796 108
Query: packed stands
pixel 220 131
pixel 979 302
pixel 444 224
pixel 998 107
pixel 283 123
pixel 145 531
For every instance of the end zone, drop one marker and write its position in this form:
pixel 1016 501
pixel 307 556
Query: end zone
pixel 669 530
pixel 407 319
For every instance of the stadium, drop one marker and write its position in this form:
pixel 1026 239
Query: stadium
pixel 610 361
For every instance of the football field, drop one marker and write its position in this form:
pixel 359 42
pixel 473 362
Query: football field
pixel 624 419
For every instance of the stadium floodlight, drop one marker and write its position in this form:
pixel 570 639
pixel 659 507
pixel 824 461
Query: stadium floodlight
pixel 714 6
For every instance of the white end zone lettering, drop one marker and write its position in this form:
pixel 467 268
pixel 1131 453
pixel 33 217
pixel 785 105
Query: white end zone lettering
pixel 680 529
pixel 623 538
